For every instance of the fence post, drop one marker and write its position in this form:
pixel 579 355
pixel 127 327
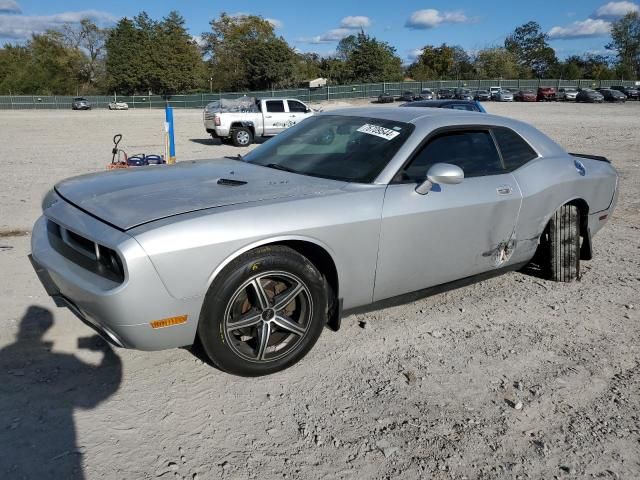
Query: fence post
pixel 328 92
pixel 11 100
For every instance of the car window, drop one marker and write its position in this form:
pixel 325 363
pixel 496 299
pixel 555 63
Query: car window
pixel 472 150
pixel 348 148
pixel 275 106
pixel 468 108
pixel 515 151
pixel 297 107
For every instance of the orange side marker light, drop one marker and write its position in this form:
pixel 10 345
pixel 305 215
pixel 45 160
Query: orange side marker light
pixel 168 322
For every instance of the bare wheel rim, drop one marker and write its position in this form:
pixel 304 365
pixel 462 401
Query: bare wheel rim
pixel 242 137
pixel 268 316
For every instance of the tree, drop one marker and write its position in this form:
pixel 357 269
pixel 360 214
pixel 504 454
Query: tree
pixel 307 67
pixel 496 62
pixel 147 55
pixel 270 64
pixel 178 63
pixel 529 45
pixel 443 62
pixel 126 58
pixel 229 45
pixel 371 60
pixel 89 38
pixel 625 40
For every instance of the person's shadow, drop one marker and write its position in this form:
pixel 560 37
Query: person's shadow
pixel 39 391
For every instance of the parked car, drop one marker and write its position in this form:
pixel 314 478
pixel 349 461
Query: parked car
pixel 589 96
pixel 631 92
pixel 407 97
pixel 468 105
pixel 445 93
pixel 426 94
pixel 255 255
pixel 504 95
pixel 546 94
pixel 463 94
pixel 526 95
pixel 80 103
pixel 611 95
pixel 385 98
pixel 243 119
pixel 567 93
pixel 494 92
pixel 118 106
pixel 481 95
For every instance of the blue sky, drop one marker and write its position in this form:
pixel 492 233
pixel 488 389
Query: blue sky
pixel 576 27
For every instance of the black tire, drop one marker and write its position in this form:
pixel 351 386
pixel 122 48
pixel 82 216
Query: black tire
pixel 241 136
pixel 232 297
pixel 563 241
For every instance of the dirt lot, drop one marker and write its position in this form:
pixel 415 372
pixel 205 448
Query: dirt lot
pixel 423 390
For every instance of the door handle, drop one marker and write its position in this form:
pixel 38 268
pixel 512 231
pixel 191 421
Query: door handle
pixel 292 115
pixel 267 116
pixel 504 190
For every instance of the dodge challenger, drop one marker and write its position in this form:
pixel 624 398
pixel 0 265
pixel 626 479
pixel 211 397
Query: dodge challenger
pixel 252 257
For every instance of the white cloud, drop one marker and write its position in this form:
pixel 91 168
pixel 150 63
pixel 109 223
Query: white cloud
pixel 334 35
pixel 275 23
pixel 581 29
pixel 431 18
pixel 22 26
pixel 357 21
pixel 9 6
pixel 616 9
pixel 414 53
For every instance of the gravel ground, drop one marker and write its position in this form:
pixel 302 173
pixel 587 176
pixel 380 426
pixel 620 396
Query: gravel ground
pixel 513 377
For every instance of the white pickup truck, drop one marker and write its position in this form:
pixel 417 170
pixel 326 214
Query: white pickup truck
pixel 243 119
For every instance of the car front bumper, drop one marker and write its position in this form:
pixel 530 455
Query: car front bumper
pixel 121 312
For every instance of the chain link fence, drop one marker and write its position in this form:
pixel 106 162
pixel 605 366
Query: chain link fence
pixel 333 92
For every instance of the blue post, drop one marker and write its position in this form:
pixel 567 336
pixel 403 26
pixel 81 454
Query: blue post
pixel 168 115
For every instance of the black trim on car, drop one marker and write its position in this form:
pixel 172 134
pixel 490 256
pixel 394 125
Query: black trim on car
pixel 591 157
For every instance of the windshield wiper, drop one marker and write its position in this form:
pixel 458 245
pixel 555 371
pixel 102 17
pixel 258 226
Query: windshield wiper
pixel 237 157
pixel 280 167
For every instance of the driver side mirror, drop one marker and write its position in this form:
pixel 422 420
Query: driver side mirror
pixel 444 173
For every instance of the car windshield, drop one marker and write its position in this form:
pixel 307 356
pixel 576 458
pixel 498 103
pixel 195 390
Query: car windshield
pixel 351 149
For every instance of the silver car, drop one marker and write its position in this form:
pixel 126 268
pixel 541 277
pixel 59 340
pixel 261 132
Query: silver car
pixel 504 95
pixel 253 256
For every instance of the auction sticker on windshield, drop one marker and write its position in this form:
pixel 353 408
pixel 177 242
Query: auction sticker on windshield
pixel 381 132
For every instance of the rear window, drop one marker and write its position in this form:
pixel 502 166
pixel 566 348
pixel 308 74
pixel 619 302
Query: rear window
pixel 275 106
pixel 515 151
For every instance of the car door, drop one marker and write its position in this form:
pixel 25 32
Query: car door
pixel 298 111
pixel 454 231
pixel 276 118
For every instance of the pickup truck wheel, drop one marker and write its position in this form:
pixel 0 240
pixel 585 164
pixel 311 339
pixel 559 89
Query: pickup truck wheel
pixel 264 312
pixel 563 242
pixel 241 137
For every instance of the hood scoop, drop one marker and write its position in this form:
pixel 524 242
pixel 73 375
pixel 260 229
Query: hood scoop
pixel 227 182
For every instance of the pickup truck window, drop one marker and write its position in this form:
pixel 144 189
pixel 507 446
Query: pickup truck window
pixel 351 149
pixel 296 107
pixel 275 106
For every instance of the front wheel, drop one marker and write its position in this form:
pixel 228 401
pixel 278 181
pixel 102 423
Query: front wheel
pixel 241 137
pixel 264 312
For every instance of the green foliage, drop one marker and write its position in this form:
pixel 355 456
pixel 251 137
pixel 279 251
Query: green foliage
pixel 146 55
pixel 529 45
pixel 625 40
pixel 234 42
pixel 44 66
pixel 445 61
pixel 370 60
pixel 496 62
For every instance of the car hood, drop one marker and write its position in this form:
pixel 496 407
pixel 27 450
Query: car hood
pixel 131 197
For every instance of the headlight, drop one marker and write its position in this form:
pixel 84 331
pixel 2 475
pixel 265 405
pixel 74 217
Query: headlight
pixel 49 199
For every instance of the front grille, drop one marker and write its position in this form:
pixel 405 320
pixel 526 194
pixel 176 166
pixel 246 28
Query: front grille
pixel 86 253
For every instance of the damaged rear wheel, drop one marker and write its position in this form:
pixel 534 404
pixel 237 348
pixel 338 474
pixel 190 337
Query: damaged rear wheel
pixel 562 241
